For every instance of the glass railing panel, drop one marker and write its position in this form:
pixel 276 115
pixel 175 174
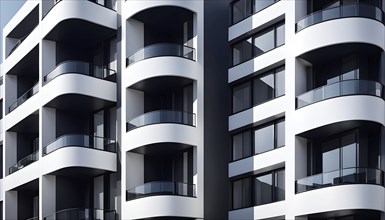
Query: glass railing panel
pixel 342 88
pixel 24 162
pixel 86 141
pixel 83 214
pixel 161 188
pixel 79 67
pixel 162 116
pixel 24 97
pixel 159 50
pixel 354 10
pixel 353 175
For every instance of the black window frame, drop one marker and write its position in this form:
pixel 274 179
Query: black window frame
pixel 252 139
pixel 251 179
pixel 251 83
pixel 253 36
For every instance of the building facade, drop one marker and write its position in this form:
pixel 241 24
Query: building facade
pixel 194 109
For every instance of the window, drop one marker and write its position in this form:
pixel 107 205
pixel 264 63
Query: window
pixel 265 138
pixel 262 88
pixel 259 190
pixel 242 9
pixel 259 43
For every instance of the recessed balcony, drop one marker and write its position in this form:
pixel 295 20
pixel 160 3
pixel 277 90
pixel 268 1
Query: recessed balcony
pixel 341 88
pixel 31 92
pixel 24 162
pixel 161 188
pixel 161 50
pixel 83 68
pixel 160 117
pixel 345 11
pixel 82 213
pixel 80 140
pixel 355 175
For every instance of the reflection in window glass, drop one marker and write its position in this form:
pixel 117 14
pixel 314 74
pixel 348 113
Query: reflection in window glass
pixel 261 4
pixel 280 82
pixel 242 145
pixel 263 189
pixel 241 97
pixel 280 133
pixel 263 43
pixel 279 185
pixel 330 156
pixel 242 51
pixel 280 38
pixel 264 139
pixel 241 193
pixel 263 89
pixel 241 9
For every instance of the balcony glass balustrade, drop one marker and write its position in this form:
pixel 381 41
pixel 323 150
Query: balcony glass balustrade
pixel 80 140
pixel 345 11
pixel 342 88
pixel 161 188
pixel 160 50
pixel 355 175
pixel 162 116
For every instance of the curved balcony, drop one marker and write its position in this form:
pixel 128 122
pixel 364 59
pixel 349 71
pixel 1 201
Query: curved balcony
pixel 342 88
pixel 355 175
pixel 80 140
pixel 162 116
pixel 161 188
pixel 160 50
pixel 80 67
pixel 345 11
pixel 32 91
pixel 82 213
pixel 24 162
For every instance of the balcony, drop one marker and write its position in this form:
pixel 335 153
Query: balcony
pixel 162 116
pixel 355 175
pixel 79 140
pixel 82 213
pixel 24 162
pixel 354 10
pixel 31 92
pixel 80 67
pixel 341 88
pixel 160 50
pixel 161 188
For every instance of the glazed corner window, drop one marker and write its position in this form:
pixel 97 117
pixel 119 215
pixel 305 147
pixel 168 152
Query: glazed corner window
pixel 242 9
pixel 258 140
pixel 265 188
pixel 260 89
pixel 259 43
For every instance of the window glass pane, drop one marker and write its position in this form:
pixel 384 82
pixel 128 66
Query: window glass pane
pixel 246 194
pixel 264 139
pixel 263 189
pixel 241 9
pixel 263 89
pixel 280 82
pixel 280 185
pixel 241 51
pixel 349 151
pixel 241 97
pixel 280 35
pixel 241 145
pixel 330 156
pixel 263 43
pixel 237 194
pixel 280 128
pixel 261 4
pixel 237 146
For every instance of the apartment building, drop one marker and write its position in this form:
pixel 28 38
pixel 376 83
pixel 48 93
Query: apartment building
pixel 207 109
